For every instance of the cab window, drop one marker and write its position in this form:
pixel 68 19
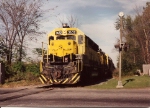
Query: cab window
pixel 69 37
pixel 51 38
pixel 60 37
pixel 80 39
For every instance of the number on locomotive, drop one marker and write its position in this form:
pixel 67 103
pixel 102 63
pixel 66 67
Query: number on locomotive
pixel 58 32
pixel 71 32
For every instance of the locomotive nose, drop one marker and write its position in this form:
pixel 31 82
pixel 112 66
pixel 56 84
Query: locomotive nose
pixel 61 48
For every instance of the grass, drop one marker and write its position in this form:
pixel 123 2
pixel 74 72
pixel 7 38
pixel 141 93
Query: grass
pixel 21 79
pixel 20 83
pixel 127 82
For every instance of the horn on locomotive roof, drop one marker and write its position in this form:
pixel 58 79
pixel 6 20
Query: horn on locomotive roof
pixel 65 25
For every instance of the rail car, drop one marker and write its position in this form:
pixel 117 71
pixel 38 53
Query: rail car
pixel 72 57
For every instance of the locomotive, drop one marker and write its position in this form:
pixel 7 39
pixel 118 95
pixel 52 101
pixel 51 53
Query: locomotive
pixel 72 57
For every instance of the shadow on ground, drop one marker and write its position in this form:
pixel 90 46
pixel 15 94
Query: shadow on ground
pixel 127 81
pixel 21 94
pixel 11 91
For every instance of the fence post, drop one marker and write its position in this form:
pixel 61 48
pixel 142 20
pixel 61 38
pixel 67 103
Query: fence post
pixel 2 73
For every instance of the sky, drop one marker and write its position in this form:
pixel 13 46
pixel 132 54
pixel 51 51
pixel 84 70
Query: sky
pixel 96 18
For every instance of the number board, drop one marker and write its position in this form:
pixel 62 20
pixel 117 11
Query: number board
pixel 71 32
pixel 58 32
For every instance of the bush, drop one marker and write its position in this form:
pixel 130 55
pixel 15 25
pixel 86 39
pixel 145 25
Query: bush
pixel 16 77
pixel 18 67
pixel 20 71
pixel 34 68
pixel 116 72
pixel 29 76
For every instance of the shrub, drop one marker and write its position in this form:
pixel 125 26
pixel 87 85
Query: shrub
pixel 116 72
pixel 34 68
pixel 20 71
pixel 18 67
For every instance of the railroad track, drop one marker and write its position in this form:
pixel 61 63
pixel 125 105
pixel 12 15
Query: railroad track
pixel 18 93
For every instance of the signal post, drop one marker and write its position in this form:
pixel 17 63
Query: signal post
pixel 121 14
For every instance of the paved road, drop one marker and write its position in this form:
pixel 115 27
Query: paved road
pixel 73 97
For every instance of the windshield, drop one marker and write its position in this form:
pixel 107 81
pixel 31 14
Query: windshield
pixel 69 37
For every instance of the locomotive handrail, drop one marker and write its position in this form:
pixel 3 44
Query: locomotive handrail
pixel 43 51
pixel 81 65
pixel 47 54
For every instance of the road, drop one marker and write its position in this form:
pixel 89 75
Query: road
pixel 33 96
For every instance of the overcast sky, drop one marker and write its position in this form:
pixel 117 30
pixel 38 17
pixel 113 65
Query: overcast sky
pixel 96 18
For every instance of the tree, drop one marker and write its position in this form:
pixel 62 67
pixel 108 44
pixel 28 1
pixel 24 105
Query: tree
pixel 71 20
pixel 3 51
pixel 142 32
pixel 136 34
pixel 19 19
pixel 38 52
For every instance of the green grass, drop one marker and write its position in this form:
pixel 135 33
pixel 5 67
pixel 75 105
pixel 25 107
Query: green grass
pixel 127 82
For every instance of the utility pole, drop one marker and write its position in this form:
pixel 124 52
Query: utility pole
pixel 121 14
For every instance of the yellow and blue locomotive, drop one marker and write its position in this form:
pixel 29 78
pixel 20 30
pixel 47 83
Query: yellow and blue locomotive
pixel 72 57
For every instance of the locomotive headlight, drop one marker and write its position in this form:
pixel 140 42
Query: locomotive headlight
pixel 66 59
pixel 69 43
pixel 52 43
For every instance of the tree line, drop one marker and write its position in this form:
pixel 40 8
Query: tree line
pixel 136 34
pixel 19 22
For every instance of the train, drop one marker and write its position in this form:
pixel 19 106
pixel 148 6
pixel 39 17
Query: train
pixel 72 57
